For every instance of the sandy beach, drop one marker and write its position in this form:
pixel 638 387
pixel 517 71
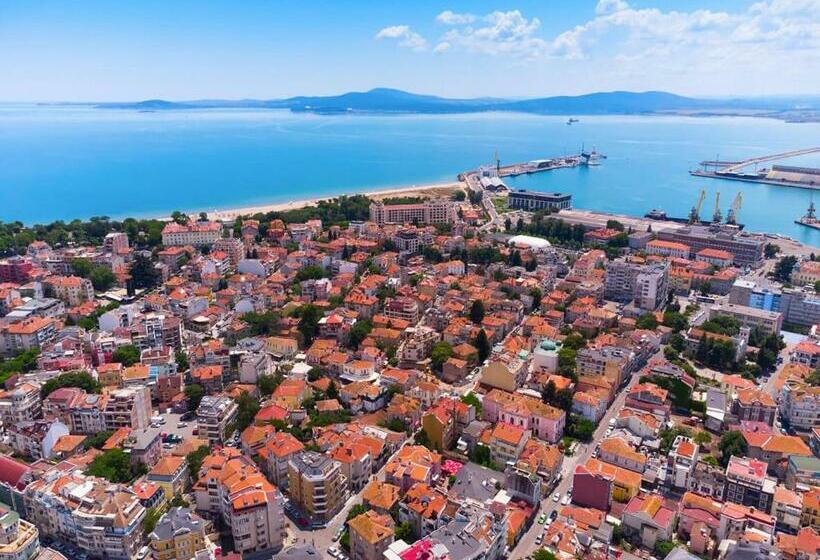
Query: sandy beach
pixel 433 190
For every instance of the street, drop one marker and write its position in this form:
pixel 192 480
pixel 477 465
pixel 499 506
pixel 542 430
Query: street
pixel 526 545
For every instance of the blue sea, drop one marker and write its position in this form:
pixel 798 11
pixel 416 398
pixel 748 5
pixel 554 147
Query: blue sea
pixel 67 162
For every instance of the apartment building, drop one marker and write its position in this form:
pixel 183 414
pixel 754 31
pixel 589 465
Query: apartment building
pixel 800 405
pixel 178 535
pixel 19 539
pixel 754 405
pixel 681 462
pixel 668 249
pixel 438 211
pixel 232 487
pixel 129 407
pixel 646 285
pixel 618 452
pixel 101 518
pixel 72 290
pixel 544 421
pixel 370 535
pixel 21 404
pixel 29 334
pixel 747 483
pixel 194 234
pixel 214 415
pixel 316 485
pixel 276 455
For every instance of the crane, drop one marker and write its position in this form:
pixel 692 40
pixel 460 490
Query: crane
pixel 694 215
pixel 717 216
pixel 731 216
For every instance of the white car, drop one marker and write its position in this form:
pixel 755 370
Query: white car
pixel 143 552
pixel 565 500
pixel 556 497
pixel 333 551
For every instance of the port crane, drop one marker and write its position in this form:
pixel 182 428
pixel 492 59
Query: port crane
pixel 731 216
pixel 717 216
pixel 694 215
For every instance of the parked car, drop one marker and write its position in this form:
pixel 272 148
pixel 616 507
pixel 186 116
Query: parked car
pixel 556 497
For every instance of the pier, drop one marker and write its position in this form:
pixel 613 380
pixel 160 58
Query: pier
pixel 784 176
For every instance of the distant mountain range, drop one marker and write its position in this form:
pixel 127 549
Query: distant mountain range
pixel 384 100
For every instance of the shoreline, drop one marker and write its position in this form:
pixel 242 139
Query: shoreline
pixel 227 214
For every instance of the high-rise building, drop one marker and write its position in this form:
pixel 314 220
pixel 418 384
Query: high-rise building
pixel 438 211
pixel 316 484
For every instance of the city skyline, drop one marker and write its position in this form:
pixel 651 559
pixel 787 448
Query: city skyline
pixel 92 51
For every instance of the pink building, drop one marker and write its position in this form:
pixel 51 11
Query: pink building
pixel 546 422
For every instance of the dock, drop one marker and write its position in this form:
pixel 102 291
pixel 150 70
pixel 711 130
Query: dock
pixel 780 175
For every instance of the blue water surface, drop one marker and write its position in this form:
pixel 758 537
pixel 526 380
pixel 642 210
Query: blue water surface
pixel 66 162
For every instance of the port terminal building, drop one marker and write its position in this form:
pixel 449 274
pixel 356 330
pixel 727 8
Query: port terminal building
pixel 535 200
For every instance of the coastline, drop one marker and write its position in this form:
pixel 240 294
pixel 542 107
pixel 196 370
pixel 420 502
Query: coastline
pixel 433 189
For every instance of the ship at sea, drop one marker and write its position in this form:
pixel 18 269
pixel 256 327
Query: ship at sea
pixel 810 218
pixel 571 120
pixel 591 158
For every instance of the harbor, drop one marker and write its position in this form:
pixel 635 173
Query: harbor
pixel 780 175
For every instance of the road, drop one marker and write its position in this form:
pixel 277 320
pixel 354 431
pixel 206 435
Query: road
pixel 527 545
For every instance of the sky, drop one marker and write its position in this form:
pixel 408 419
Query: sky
pixel 99 50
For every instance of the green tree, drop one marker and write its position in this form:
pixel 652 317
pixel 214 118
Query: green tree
pixel 677 342
pixel 647 321
pixel 194 394
pixel 332 391
pixel 783 268
pixel 702 438
pixel 471 399
pixel 422 438
pixel 405 532
pixel 194 460
pixel 127 355
pixel 771 250
pixel 268 383
pixel 102 278
pixel 732 443
pixel 356 511
pixel 675 320
pixel 82 267
pixel 97 440
pixel 359 332
pixel 143 273
pixel 477 312
pixel 663 548
pixel 543 554
pixel 580 428
pixel 79 379
pixel 181 359
pixel 152 516
pixel 482 344
pixel 309 316
pixel 113 465
pixel 548 392
pixel 248 407
pixel 178 501
pixel 441 353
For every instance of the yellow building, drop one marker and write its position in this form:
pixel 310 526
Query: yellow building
pixel 170 473
pixel 178 535
pixel 110 375
pixel 18 539
pixel 370 535
pixel 316 484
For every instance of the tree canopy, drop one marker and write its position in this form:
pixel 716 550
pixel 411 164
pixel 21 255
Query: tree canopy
pixel 79 379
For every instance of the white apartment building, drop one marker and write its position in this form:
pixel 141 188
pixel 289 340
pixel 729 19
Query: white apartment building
pixel 195 234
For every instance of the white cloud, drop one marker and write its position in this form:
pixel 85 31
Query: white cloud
pixel 500 33
pixel 405 36
pixel 450 18
pixel 609 6
pixel 442 47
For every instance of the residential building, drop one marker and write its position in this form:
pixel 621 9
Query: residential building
pixel 644 284
pixel 754 405
pixel 72 290
pixel 100 518
pixel 800 405
pixel 29 334
pixel 316 485
pixel 178 535
pixel 648 520
pixel 20 404
pixel 19 539
pixel 370 535
pixel 438 211
pixel 618 452
pixel 544 421
pixel 36 439
pixel 507 442
pixel 214 415
pixel 129 407
pixel 667 249
pixel 596 484
pixel 748 485
pixel 787 507
pixel 194 234
pixel 681 462
pixel 276 455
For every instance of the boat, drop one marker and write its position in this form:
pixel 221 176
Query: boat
pixel 810 218
pixel 572 120
pixel 662 216
pixel 655 214
pixel 591 158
